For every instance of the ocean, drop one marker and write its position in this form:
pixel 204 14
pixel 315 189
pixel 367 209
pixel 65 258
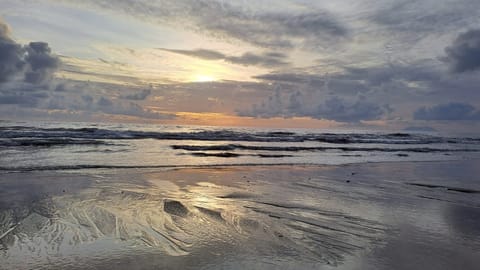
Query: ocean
pixel 72 146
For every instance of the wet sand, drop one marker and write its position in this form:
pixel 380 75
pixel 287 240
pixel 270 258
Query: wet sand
pixel 361 216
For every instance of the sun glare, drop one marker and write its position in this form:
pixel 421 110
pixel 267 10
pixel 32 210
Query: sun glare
pixel 204 78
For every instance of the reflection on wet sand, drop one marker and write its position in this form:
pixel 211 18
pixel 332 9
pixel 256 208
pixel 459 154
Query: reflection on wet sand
pixel 218 218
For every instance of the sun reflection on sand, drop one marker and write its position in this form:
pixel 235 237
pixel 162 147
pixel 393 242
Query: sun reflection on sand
pixel 183 213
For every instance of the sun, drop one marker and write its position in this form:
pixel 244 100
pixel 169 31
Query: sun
pixel 203 78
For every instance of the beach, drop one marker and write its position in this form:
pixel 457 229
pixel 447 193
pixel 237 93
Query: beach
pixel 391 215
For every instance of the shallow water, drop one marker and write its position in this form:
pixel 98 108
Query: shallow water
pixel 359 216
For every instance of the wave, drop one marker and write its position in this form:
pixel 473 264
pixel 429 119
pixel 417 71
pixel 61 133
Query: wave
pixel 232 147
pixel 234 155
pixel 16 132
pixel 101 166
pixel 48 142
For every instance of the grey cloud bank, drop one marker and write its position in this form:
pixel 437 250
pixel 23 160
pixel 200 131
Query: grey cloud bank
pixel 317 105
pixel 383 88
pixel 25 70
pixel 464 54
pixel 450 111
pixel 27 80
pixel 33 63
pixel 268 29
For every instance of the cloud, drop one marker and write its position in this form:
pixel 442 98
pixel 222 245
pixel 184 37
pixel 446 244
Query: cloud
pixel 25 70
pixel 11 62
pixel 109 106
pixel 251 59
pixel 464 54
pixel 27 80
pixel 419 17
pixel 291 77
pixel 419 129
pixel 352 81
pixel 221 19
pixel 142 95
pixel 102 104
pixel 315 105
pixel 269 59
pixel 342 95
pixel 92 97
pixel 32 63
pixel 450 111
pixel 24 100
pixel 354 111
pixel 280 30
pixel 199 53
pixel 41 63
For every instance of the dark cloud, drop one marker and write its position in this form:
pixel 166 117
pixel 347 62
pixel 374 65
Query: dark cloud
pixel 27 81
pixel 33 63
pixel 100 75
pixel 109 106
pixel 418 17
pixel 411 29
pixel 41 63
pixel 224 20
pixel 341 96
pixel 406 24
pixel 373 80
pixel 377 75
pixel 22 100
pixel 251 59
pixel 464 54
pixel 88 99
pixel 372 76
pixel 142 95
pixel 22 94
pixel 199 53
pixel 297 103
pixel 405 86
pixel 94 97
pixel 450 111
pixel 102 104
pixel 280 30
pixel 25 71
pixel 419 129
pixel 291 77
pixel 344 111
pixel 269 59
pixel 11 62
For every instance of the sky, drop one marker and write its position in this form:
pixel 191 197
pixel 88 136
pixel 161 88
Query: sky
pixel 391 64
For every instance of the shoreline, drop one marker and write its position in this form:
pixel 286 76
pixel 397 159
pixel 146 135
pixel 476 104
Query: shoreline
pixel 176 167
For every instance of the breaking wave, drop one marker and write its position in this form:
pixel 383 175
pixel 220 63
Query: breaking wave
pixel 22 134
pixel 231 147
pixel 78 147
